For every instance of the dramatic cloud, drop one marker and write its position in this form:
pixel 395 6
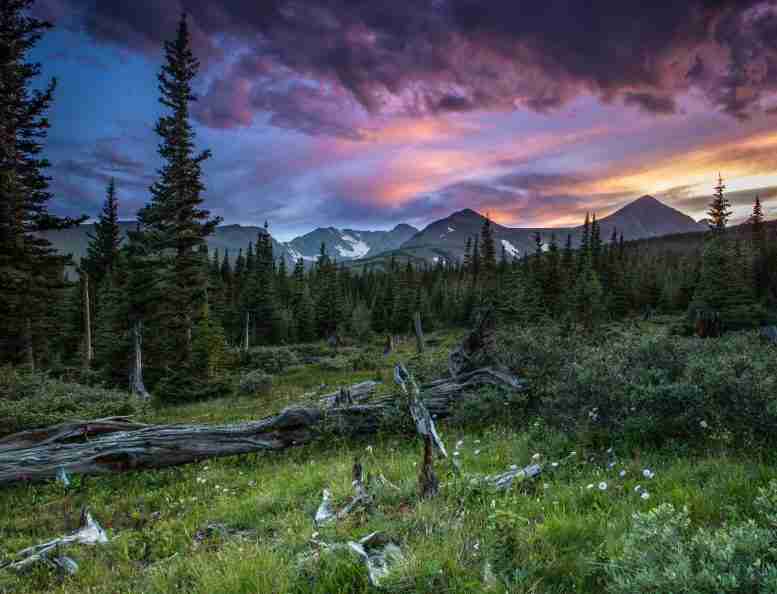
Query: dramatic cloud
pixel 434 56
pixel 372 112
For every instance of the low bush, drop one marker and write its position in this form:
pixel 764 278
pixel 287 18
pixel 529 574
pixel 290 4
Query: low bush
pixel 255 383
pixel 662 552
pixel 649 388
pixel 337 363
pixel 273 360
pixel 178 387
pixel 32 400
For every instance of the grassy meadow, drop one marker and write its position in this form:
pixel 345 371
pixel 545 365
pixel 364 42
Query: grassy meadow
pixel 625 514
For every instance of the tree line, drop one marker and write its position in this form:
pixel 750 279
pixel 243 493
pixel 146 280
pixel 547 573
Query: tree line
pixel 157 309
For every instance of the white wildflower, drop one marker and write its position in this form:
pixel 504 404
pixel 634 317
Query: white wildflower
pixel 622 473
pixel 573 453
pixel 645 495
pixel 590 486
pixel 513 467
pixel 459 443
pixel 554 464
pixel 648 474
pixel 455 453
pixel 477 452
pixel 369 449
pixel 638 488
pixel 536 456
pixel 703 424
pixel 609 450
pixel 602 486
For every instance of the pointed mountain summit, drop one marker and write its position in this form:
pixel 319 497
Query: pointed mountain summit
pixel 642 218
pixel 648 217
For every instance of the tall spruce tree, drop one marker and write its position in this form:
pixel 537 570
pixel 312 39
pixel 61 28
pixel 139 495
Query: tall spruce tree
pixel 174 224
pixel 104 244
pixel 720 209
pixel 30 269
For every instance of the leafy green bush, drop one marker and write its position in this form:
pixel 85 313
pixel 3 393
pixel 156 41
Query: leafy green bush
pixel 184 386
pixel 337 363
pixel 649 387
pixel 31 400
pixel 663 553
pixel 255 383
pixel 273 360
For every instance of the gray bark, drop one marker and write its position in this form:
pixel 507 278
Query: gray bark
pixel 29 351
pixel 419 332
pixel 137 387
pixel 88 347
pixel 38 456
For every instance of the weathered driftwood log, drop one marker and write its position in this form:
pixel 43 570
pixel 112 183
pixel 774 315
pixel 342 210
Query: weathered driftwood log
pixel 478 349
pixel 89 533
pixel 112 446
pixel 67 433
pixel 356 393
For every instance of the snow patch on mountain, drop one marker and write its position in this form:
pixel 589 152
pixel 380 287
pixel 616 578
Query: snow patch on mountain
pixel 451 229
pixel 510 248
pixel 358 248
pixel 296 255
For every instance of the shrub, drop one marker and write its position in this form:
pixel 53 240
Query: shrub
pixel 256 383
pixel 337 363
pixel 184 386
pixel 273 360
pixel 663 553
pixel 649 387
pixel 32 400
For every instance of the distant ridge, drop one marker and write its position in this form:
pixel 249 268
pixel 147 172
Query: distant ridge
pixel 643 218
pixel 443 239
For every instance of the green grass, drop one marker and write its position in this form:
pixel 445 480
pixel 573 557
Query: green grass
pixel 549 535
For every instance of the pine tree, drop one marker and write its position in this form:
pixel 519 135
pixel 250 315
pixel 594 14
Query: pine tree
pixel 111 341
pixel 720 209
pixel 761 268
pixel 174 224
pixel 487 247
pixel 103 248
pixel 756 221
pixel 30 269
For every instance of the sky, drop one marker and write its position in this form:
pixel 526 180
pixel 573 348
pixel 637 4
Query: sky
pixel 367 113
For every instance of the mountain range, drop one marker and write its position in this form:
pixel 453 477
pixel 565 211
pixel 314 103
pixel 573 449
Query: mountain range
pixel 443 239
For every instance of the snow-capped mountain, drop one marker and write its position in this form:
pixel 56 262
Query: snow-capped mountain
pixel 642 218
pixel 348 244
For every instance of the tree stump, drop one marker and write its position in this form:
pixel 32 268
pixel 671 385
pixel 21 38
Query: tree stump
pixel 428 484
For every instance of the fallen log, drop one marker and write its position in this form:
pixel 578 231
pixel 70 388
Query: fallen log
pixel 117 445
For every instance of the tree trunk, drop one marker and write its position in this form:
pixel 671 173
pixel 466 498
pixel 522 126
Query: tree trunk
pixel 29 351
pixel 389 345
pixel 419 332
pixel 35 456
pixel 246 341
pixel 88 348
pixel 137 386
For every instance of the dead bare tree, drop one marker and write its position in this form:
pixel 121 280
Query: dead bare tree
pixel 137 387
pixel 88 348
pixel 428 485
pixel 419 332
